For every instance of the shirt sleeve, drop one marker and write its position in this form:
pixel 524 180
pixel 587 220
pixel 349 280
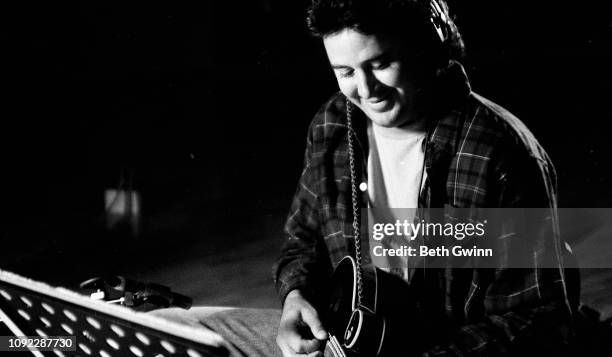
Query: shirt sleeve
pixel 303 263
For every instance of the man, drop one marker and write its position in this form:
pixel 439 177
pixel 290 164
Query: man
pixel 406 131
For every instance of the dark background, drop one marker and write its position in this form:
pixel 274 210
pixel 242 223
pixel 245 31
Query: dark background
pixel 203 108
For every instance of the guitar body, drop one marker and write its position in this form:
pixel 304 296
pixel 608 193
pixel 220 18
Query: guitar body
pixel 376 326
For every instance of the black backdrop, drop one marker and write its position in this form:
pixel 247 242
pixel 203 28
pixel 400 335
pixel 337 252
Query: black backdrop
pixel 204 106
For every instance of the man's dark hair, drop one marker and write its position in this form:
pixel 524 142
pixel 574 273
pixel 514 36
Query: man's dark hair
pixel 407 20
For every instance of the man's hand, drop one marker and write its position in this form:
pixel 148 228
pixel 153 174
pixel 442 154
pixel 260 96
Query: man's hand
pixel 300 332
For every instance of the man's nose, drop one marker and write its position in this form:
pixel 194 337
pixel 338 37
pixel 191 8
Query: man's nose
pixel 366 84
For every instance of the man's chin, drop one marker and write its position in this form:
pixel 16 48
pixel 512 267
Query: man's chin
pixel 383 124
pixel 386 120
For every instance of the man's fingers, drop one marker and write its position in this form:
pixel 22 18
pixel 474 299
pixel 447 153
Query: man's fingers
pixel 298 344
pixel 290 341
pixel 311 318
pixel 300 332
pixel 287 350
pixel 283 347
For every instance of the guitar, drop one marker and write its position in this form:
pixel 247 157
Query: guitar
pixel 370 325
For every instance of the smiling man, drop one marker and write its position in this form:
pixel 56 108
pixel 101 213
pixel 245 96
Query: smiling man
pixel 406 131
pixel 373 73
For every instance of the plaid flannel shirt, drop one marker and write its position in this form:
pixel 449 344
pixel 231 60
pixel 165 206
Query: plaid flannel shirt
pixel 477 155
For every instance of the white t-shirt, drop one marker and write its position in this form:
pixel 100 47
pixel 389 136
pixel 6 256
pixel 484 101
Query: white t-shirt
pixel 395 177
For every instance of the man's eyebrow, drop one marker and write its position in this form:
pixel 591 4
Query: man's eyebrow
pixel 340 66
pixel 381 56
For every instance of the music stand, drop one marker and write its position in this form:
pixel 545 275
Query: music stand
pixel 31 308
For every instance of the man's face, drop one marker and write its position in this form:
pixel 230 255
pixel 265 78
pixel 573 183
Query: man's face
pixel 373 73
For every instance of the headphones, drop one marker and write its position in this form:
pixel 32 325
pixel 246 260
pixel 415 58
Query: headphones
pixel 439 19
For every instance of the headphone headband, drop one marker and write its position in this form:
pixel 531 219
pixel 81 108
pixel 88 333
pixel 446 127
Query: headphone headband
pixel 439 19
